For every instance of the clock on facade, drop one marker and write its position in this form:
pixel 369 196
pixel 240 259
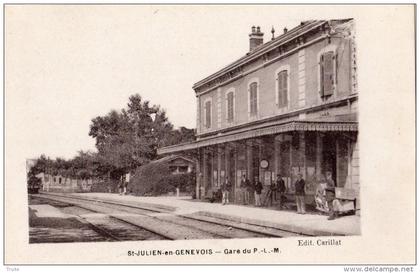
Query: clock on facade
pixel 264 164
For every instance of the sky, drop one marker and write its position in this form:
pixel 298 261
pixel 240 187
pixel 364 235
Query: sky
pixel 68 64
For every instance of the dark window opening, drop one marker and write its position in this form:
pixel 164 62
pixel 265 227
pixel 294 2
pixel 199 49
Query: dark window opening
pixel 183 169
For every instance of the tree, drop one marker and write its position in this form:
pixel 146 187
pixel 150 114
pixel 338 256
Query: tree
pixel 130 138
pixel 178 136
pixel 125 140
pixel 84 165
pixel 40 166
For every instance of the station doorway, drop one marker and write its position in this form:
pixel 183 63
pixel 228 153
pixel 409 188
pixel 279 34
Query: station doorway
pixel 329 156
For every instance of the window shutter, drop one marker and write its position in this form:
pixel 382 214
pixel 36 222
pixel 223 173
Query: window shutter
pixel 277 88
pixel 286 84
pixel 280 87
pixel 208 112
pixel 233 105
pixel 205 115
pixel 227 107
pixel 253 99
pixel 321 76
pixel 282 76
pixel 328 76
pixel 249 100
pixel 336 69
pixel 230 107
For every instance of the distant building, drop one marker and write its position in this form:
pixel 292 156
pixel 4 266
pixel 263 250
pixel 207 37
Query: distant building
pixel 288 106
pixel 177 164
pixel 58 183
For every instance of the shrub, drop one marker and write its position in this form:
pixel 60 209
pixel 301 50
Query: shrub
pixel 156 179
pixel 104 185
pixel 185 182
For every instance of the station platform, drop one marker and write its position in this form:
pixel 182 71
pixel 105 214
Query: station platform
pixel 310 223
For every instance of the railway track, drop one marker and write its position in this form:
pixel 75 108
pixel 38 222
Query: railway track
pixel 158 223
pixel 103 227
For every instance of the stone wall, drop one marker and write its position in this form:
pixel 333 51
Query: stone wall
pixel 57 183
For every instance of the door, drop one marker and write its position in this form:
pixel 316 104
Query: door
pixel 330 156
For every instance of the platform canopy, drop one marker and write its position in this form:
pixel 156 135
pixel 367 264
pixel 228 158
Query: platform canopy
pixel 321 126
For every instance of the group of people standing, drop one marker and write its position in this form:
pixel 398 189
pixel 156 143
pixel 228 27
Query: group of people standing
pixel 324 195
pixel 251 191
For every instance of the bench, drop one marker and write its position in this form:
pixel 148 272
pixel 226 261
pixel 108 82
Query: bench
pixel 347 198
pixel 213 196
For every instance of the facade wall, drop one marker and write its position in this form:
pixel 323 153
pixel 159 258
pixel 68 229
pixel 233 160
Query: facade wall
pixel 304 85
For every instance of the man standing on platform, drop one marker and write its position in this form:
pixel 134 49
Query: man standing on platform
pixel 244 185
pixel 258 188
pixel 249 191
pixel 226 186
pixel 300 194
pixel 281 189
pixel 272 193
pixel 330 195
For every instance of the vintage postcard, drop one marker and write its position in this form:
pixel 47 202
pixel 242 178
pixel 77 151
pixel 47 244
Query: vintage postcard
pixel 209 134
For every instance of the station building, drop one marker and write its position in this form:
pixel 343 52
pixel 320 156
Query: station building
pixel 288 106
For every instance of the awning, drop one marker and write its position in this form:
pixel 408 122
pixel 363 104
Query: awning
pixel 321 126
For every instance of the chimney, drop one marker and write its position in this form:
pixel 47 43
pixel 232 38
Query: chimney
pixel 255 38
pixel 284 30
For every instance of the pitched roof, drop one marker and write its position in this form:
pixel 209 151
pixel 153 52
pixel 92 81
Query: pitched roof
pixel 304 27
pixel 171 158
